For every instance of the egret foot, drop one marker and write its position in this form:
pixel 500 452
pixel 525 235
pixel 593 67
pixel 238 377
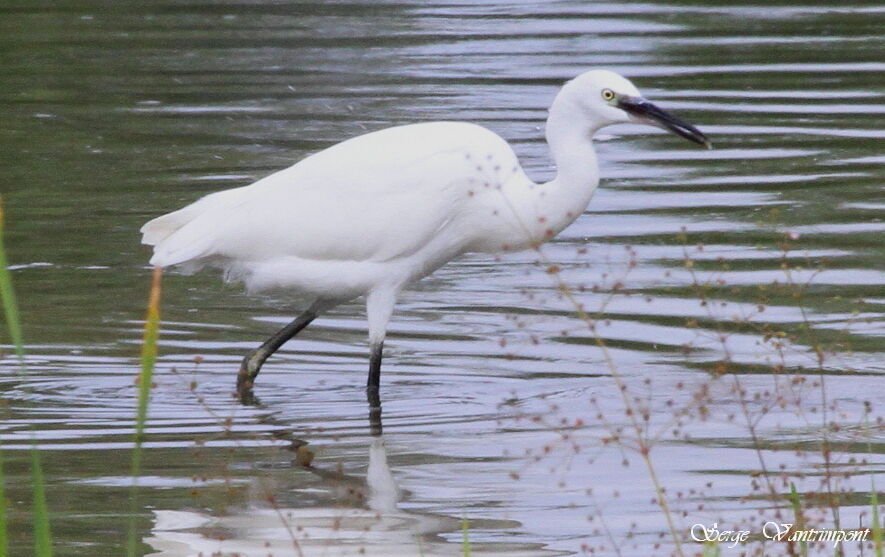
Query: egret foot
pixel 255 359
pixel 249 369
pixel 248 398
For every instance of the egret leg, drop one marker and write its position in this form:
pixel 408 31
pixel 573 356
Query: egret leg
pixel 379 307
pixel 374 382
pixel 373 393
pixel 255 359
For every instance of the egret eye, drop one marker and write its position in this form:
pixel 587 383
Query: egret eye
pixel 608 94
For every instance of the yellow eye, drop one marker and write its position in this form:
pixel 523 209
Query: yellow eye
pixel 608 94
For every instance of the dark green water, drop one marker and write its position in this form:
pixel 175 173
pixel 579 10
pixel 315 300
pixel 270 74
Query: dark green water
pixel 113 113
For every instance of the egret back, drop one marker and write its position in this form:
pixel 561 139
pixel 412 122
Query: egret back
pixel 376 197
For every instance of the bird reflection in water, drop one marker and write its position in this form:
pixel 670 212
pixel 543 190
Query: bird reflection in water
pixel 357 516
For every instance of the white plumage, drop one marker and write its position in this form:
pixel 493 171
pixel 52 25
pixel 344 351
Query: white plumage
pixel 382 206
pixel 375 213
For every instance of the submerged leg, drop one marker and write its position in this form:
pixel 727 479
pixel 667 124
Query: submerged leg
pixel 379 307
pixel 255 359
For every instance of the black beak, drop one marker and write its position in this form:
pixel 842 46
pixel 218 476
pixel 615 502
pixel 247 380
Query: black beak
pixel 648 113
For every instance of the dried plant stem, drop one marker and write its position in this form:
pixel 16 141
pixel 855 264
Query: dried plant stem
pixel 145 379
pixel 643 447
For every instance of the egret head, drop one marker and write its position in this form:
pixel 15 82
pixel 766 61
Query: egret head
pixel 606 98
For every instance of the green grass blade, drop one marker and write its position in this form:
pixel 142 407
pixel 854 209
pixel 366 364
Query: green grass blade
pixel 42 536
pixel 799 518
pixel 3 543
pixel 145 379
pixel 7 297
pixel 465 539
pixel 711 549
pixel 877 524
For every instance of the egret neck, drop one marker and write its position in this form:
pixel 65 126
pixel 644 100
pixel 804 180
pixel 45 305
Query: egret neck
pixel 563 199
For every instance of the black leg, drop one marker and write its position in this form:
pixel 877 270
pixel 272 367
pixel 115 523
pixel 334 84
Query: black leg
pixel 374 381
pixel 375 415
pixel 373 385
pixel 254 360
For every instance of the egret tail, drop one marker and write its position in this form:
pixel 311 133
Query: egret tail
pixel 187 234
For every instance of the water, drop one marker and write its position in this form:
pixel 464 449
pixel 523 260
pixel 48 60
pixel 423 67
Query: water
pixel 113 114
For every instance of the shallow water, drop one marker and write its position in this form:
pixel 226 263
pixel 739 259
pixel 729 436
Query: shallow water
pixel 112 115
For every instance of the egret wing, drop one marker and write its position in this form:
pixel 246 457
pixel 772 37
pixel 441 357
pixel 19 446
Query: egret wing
pixel 376 197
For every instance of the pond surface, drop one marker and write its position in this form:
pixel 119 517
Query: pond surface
pixel 500 405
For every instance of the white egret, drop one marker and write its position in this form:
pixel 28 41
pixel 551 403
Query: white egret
pixel 377 212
